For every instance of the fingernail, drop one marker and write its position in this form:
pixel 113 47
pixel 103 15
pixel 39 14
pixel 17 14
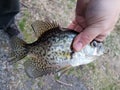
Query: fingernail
pixel 77 46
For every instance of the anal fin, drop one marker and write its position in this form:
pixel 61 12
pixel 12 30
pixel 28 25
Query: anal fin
pixel 36 67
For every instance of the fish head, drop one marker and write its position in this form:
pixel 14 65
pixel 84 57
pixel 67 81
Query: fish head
pixel 98 47
pixel 88 54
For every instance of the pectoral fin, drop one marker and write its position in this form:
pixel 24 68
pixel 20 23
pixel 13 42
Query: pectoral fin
pixel 61 71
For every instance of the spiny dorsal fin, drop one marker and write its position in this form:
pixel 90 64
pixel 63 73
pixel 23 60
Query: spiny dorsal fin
pixel 40 27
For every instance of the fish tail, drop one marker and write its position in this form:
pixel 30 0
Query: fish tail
pixel 18 49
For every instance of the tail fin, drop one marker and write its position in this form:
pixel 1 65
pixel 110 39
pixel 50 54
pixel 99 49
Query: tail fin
pixel 18 49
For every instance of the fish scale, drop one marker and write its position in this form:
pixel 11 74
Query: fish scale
pixel 52 52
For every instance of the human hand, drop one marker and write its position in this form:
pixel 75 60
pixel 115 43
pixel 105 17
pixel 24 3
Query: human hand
pixel 95 19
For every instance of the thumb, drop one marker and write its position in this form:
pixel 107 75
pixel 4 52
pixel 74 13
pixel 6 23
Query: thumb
pixel 85 37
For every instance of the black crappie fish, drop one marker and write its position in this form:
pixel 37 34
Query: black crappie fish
pixel 52 52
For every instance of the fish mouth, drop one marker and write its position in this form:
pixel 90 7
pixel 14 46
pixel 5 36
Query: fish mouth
pixel 71 54
pixel 98 45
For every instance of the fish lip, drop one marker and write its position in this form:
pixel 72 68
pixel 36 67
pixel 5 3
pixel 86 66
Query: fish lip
pixel 71 54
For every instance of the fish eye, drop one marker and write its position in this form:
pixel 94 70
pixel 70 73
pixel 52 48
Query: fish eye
pixel 94 43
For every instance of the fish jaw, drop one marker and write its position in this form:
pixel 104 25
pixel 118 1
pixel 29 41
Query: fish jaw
pixel 80 59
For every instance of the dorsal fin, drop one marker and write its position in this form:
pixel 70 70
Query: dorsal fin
pixel 40 27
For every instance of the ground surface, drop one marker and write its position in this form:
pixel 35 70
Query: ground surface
pixel 102 74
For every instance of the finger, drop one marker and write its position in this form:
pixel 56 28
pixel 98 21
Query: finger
pixel 100 37
pixel 85 37
pixel 80 21
pixel 78 24
pixel 103 35
pixel 72 26
pixel 78 28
